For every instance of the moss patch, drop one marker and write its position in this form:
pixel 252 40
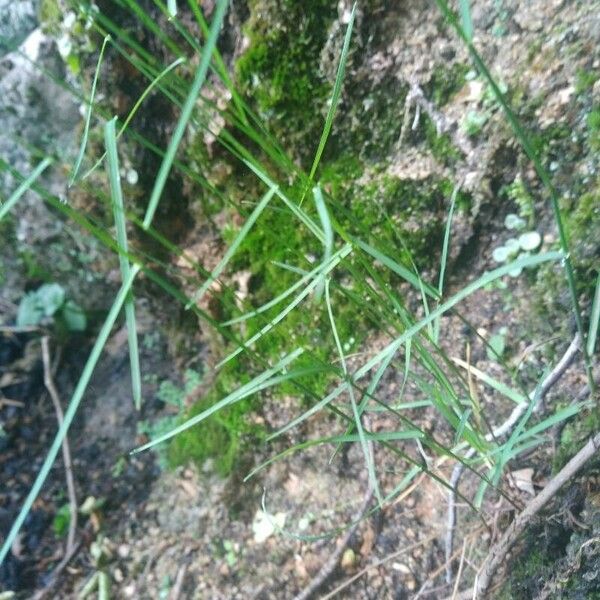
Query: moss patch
pixel 279 71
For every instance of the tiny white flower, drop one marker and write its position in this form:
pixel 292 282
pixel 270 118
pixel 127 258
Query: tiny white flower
pixel 132 177
pixel 64 45
pixel 69 20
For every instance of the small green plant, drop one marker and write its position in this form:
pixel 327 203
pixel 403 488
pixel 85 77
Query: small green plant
pixel 49 305
pixel 473 122
pixel 174 396
pixel 61 520
pixel 519 194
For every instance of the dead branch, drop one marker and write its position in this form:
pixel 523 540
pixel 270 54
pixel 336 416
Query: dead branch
pixel 49 383
pixel 498 432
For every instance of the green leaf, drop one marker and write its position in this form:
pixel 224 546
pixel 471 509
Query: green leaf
pixel 30 312
pixel 61 520
pixel 74 316
pixel 50 296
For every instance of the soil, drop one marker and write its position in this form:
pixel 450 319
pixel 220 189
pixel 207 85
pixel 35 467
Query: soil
pixel 189 533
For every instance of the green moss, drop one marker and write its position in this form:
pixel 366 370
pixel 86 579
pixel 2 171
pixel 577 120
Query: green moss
pixel 223 435
pixel 441 145
pixel 593 125
pixel 445 82
pixel 585 80
pixel 50 15
pixel 280 69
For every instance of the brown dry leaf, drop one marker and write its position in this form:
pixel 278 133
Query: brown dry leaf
pixel 522 479
pixel 368 541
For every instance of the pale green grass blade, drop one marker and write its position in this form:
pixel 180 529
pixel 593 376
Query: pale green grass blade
pixel 336 259
pixel 394 346
pixel 23 187
pixel 327 230
pixel 306 277
pixel 367 450
pixel 335 97
pixel 291 268
pixel 397 268
pixel 120 225
pixel 386 436
pixel 243 392
pixel 172 8
pixel 465 18
pixel 514 395
pixel 88 116
pixel 302 216
pixel 71 411
pixel 233 247
pixel 444 259
pixel 136 107
pixel 186 113
pixel 594 319
pixel 369 393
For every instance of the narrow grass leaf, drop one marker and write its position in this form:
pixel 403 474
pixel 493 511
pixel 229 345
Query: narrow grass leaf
pixel 465 18
pixel 328 231
pixel 395 345
pixel 543 174
pixel 444 258
pixel 366 448
pixel 395 267
pixel 70 412
pixel 88 116
pixel 172 8
pixel 336 259
pixel 500 387
pixel 186 113
pixel 594 319
pixel 335 97
pixel 302 216
pixel 23 187
pixel 233 247
pixel 136 107
pixel 120 225
pixel 243 392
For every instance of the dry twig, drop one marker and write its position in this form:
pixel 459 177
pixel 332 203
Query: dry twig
pixel 499 432
pixel 49 383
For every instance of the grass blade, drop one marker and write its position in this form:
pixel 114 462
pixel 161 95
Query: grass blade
pixel 335 97
pixel 397 268
pixel 500 387
pixel 366 447
pixel 395 345
pixel 186 113
pixel 327 230
pixel 543 174
pixel 302 216
pixel 465 19
pixel 119 216
pixel 88 116
pixel 234 246
pixel 70 412
pixel 594 319
pixel 23 187
pixel 136 107
pixel 243 392
pixel 444 259
pixel 336 259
